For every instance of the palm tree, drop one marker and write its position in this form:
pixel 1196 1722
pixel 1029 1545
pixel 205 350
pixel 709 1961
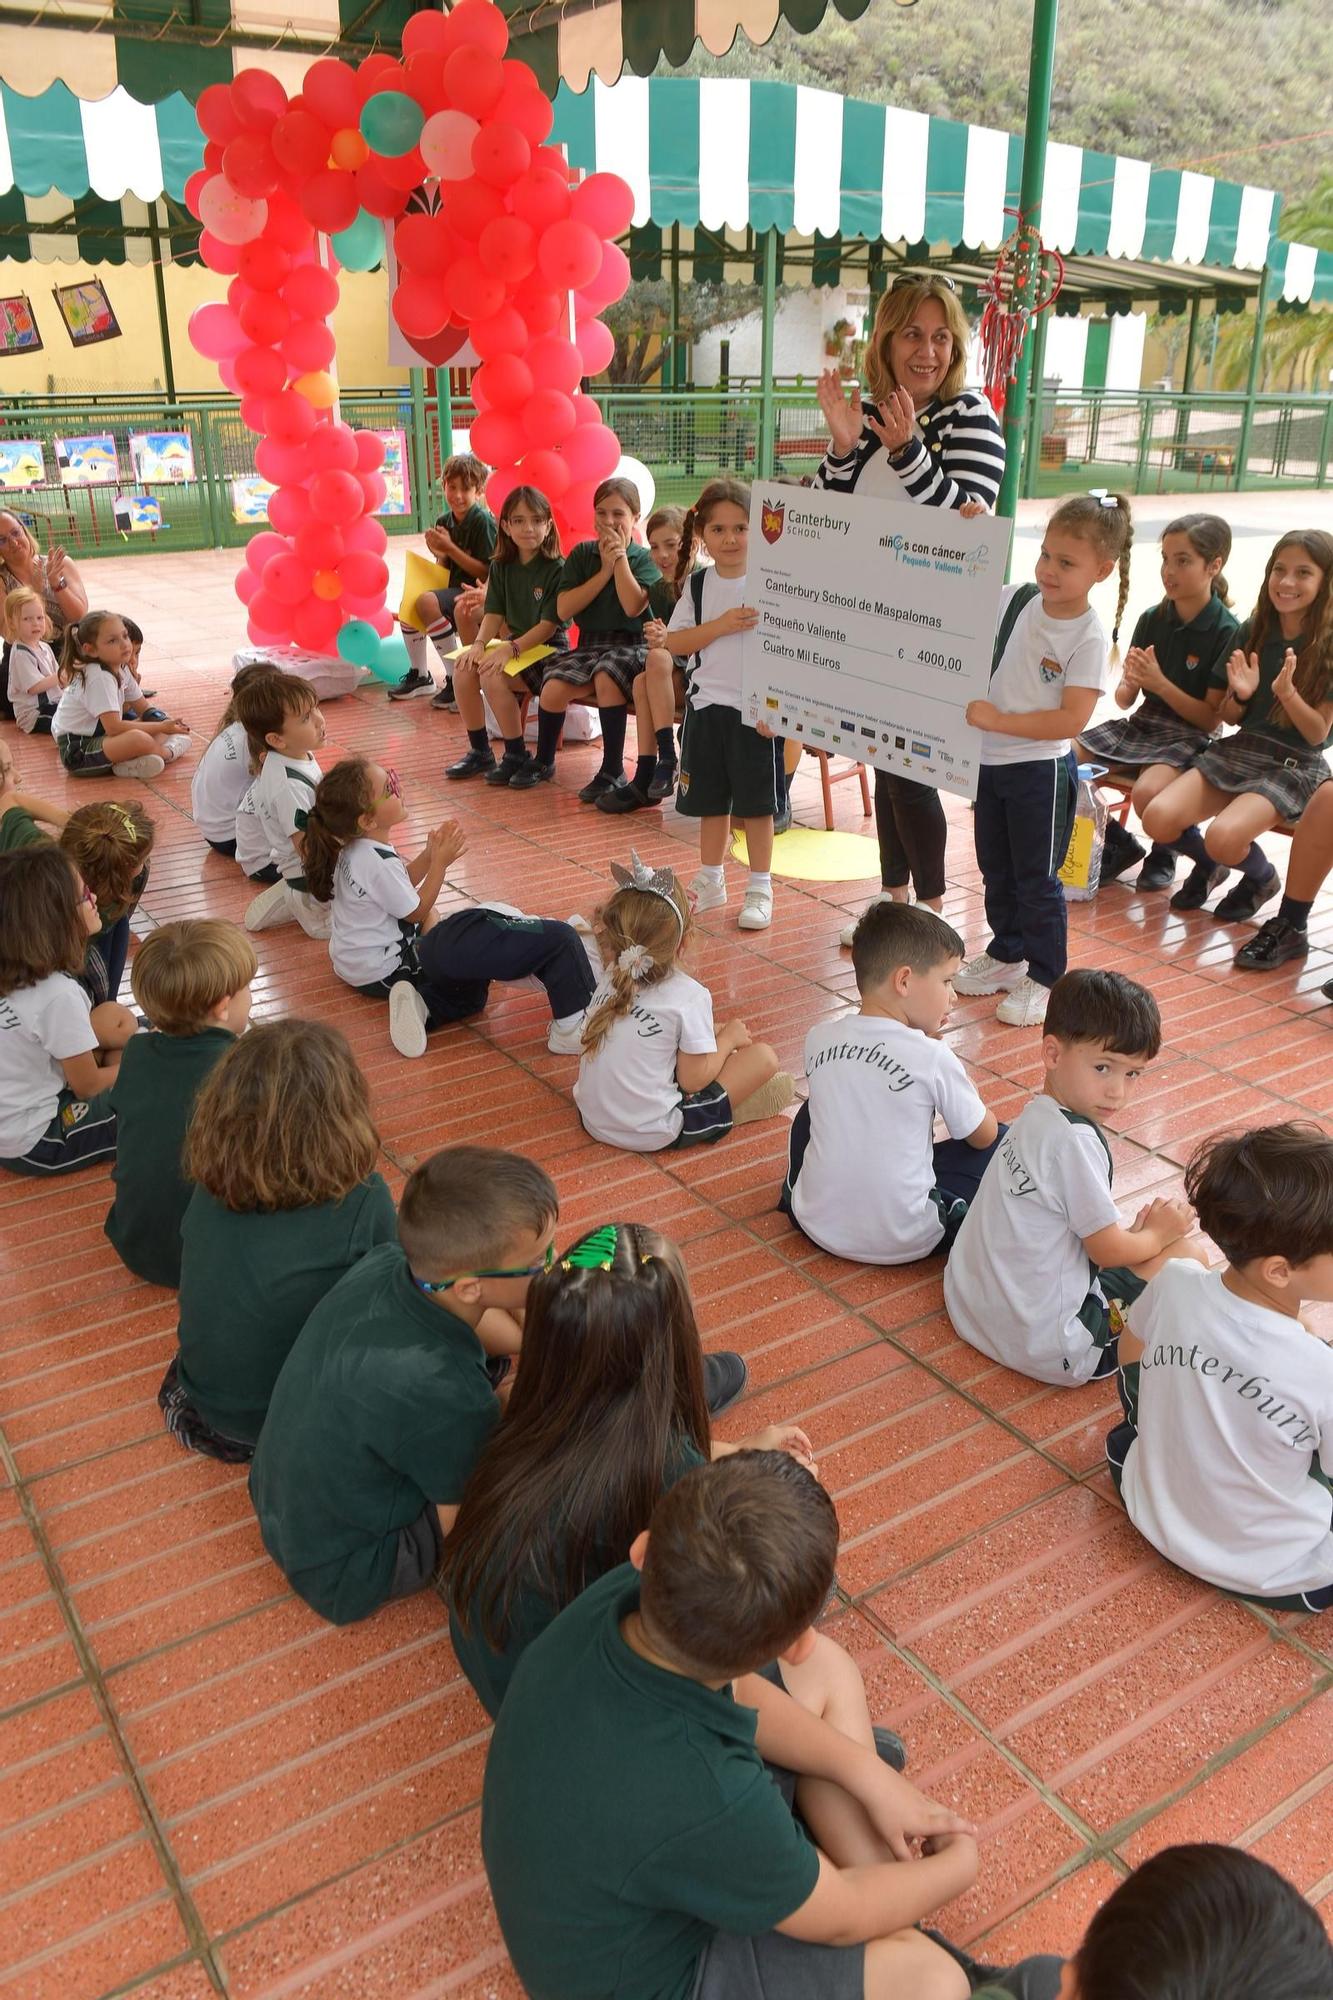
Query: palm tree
pixel 1298 346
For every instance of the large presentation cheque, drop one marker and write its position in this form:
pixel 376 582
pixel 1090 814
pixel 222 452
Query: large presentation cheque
pixel 876 628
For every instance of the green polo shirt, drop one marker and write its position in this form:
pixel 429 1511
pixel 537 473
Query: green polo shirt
pixel 474 534
pixel 1188 655
pixel 153 1096
pixel 532 1609
pixel 606 613
pixel 249 1282
pixel 1264 716
pixel 18 829
pixel 524 594
pixel 626 1816
pixel 380 1411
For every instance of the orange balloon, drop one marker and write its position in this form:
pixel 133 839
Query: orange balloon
pixel 317 388
pixel 327 584
pixel 348 149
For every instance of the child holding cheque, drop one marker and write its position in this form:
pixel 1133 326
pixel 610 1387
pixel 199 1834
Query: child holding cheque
pixel 863 1179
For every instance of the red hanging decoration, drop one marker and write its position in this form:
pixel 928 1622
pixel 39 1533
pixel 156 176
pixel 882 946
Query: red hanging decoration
pixel 1026 281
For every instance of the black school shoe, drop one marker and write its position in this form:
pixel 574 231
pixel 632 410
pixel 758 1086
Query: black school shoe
pixel 523 776
pixel 725 1377
pixel 1198 886
pixel 1272 945
pixel 473 765
pixel 625 798
pixel 599 784
pixel 1158 871
pixel 1248 897
pixel 663 781
pixel 1120 851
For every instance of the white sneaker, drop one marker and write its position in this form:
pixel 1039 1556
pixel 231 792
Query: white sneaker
pixel 984 974
pixel 1024 1006
pixel 271 907
pixel 707 895
pixel 141 767
pixel 756 911
pixel 588 939
pixel 565 1041
pixel 845 936
pixel 173 747
pixel 407 1019
pixel 315 919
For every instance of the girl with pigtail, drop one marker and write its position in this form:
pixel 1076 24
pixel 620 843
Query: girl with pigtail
pixel 381 904
pixel 655 1073
pixel 659 692
pixel 110 844
pixel 1049 664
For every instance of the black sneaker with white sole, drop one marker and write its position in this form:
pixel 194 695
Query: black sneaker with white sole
pixel 412 684
pixel 445 699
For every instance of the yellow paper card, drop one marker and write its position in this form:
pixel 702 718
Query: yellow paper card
pixel 524 660
pixel 421 574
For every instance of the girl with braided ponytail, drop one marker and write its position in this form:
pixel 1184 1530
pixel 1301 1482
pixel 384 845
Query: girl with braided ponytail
pixel 611 1406
pixel 655 1072
pixel 110 844
pixel 1049 664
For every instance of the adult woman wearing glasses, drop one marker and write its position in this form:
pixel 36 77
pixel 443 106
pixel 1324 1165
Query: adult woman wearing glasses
pixel 923 437
pixel 54 577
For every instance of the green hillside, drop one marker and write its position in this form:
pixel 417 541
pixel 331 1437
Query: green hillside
pixel 1242 89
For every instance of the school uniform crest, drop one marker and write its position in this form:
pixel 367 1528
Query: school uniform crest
pixel 1051 669
pixel 771 519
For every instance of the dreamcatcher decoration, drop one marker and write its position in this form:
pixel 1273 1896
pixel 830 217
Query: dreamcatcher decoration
pixel 1026 281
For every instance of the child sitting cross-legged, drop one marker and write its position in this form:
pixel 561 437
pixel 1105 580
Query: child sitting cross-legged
pixel 639 1810
pixel 1225 1458
pixel 223 777
pixel 655 1072
pixel 1043 1260
pixel 33 672
pixel 282 1153
pixel 283 729
pixel 865 1179
pixel 387 1397
pixel 192 980
pixel 611 1406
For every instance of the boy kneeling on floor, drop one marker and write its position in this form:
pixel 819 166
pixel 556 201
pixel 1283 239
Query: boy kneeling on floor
pixel 638 1811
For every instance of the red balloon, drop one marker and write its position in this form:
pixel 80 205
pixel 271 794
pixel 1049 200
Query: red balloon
pixel 364 575
pixel 311 291
pixel 547 471
pixel 507 247
pixel 320 545
pixel 403 171
pixel 576 506
pixel 264 317
pixel 497 436
pixel 260 371
pixel 193 188
pixel 252 413
pixel 596 343
pixel 500 154
pixel 505 332
pixel 605 203
pixel 258 97
pixel 501 484
pixel 374 492
pixel 280 464
pixel 286 578
pixel 542 309
pixel 548 417
pixel 245 583
pixel 384 621
pixel 479 25
pixel 569 255
pixel 473 80
pixel 330 90
pixel 591 452
pixel 286 226
pixel 420 306
pixel 331 449
pixel 300 143
pixel 367 533
pixel 522 102
pixel 587 410
pixel 220 256
pixel 421 242
pixel 556 363
pixel 378 193
pixel 217 114
pixel 610 284
pixel 315 625
pixel 470 205
pixel 263 265
pixel 269 617
pixel 470 288
pixel 308 347
pixel 369 451
pixel 423 75
pixel 330 200
pixel 427 33
pixel 262 548
pixel 289 509
pixel 288 417
pixel 502 383
pixel 335 497
pixel 551 160
pixel 540 198
pixel 213 157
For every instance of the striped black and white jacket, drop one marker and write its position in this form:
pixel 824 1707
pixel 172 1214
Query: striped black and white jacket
pixel 956 454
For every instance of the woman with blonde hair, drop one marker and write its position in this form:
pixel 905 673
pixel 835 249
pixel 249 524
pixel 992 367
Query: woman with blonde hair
pixel 920 436
pixel 54 577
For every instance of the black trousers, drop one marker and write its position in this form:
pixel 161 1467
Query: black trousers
pixel 1024 816
pixel 911 826
pixel 453 964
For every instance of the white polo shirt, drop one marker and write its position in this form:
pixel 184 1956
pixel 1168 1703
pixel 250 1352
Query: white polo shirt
pixel 716 681
pixel 222 777
pixel 1235 1425
pixel 28 664
pixel 627 1093
pixel 1018 1271
pixel 372 897
pixel 41 1026
pixel 84 702
pixel 1044 656
pixel 875 1089
pixel 284 786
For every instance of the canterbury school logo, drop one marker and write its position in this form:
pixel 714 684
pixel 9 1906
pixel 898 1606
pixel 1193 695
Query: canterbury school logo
pixel 772 518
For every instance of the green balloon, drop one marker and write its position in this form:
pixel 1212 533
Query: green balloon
pixel 359 643
pixel 391 122
pixel 360 247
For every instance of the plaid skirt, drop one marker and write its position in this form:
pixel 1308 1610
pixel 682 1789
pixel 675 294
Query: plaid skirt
pixel 1248 762
pixel 1151 735
pixel 620 655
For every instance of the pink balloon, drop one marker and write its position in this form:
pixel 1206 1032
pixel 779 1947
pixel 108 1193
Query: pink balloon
pixel 610 284
pixel 227 377
pixel 587 410
pixel 591 452
pixel 289 509
pixel 260 371
pixel 315 625
pixel 320 545
pixel 368 534
pixel 262 548
pixel 569 255
pixel 280 464
pixel 246 583
pixel 288 417
pixel 605 203
pixel 369 448
pixel 373 489
pixel 383 621
pixel 310 291
pixel 548 417
pixel 270 615
pixel 446 144
pixel 194 187
pixel 364 575
pixel 287 578
pixel 500 485
pixel 230 216
pixel 336 497
pixel 308 347
pixel 216 332
pixel 505 332
pixel 596 343
pixel 502 383
pixel 556 363
pixel 332 448
pixel 219 256
pixel 497 436
pixel 547 471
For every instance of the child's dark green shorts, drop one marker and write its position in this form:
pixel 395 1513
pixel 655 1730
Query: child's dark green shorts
pixel 725 767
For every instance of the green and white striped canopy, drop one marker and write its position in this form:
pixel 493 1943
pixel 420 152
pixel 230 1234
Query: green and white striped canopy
pixel 101 162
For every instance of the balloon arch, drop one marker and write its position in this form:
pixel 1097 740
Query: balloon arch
pixel 492 233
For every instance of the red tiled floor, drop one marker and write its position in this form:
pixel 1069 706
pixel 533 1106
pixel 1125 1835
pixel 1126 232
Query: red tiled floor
pixel 204 1789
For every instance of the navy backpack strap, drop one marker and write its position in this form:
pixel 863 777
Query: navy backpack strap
pixel 1017 604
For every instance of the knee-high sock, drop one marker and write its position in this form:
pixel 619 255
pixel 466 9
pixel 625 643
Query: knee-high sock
pixel 1256 867
pixel 614 724
pixel 548 735
pixel 1190 844
pixel 441 635
pixel 415 644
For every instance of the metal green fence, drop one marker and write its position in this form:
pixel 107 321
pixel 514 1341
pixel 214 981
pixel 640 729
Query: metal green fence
pixel 115 476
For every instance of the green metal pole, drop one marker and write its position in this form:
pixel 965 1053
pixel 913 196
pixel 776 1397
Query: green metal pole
pixel 160 293
pixel 1325 440
pixel 1037 414
pixel 767 439
pixel 421 482
pixel 1191 346
pixel 1252 383
pixel 1041 66
pixel 673 375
